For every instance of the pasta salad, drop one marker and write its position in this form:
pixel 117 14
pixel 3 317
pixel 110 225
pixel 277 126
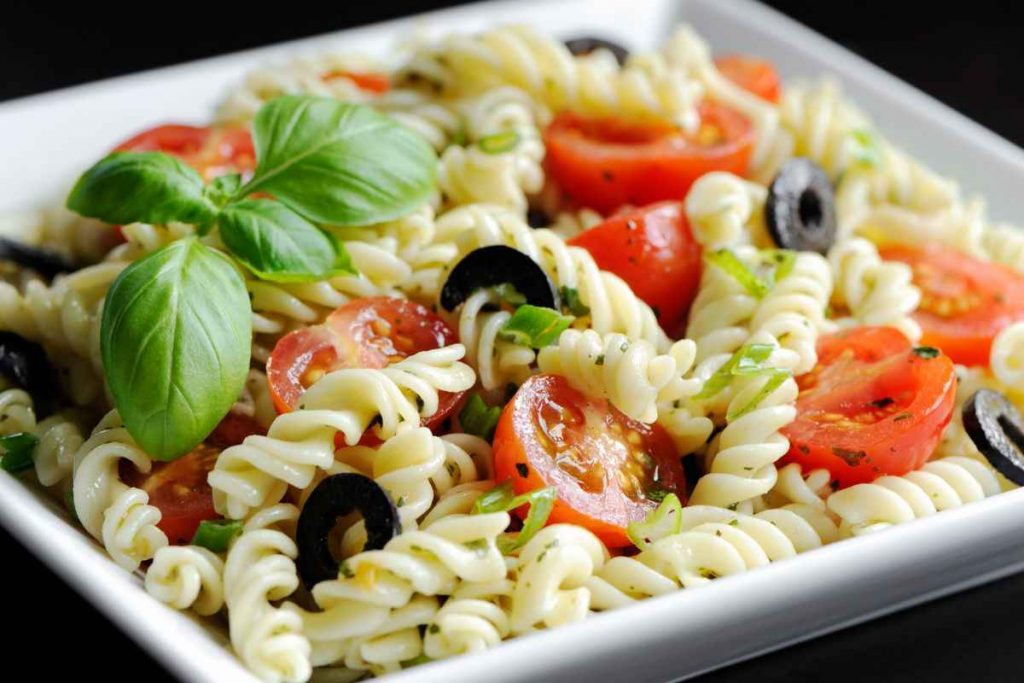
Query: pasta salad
pixel 395 360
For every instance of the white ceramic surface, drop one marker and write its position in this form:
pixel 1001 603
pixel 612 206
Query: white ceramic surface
pixel 45 140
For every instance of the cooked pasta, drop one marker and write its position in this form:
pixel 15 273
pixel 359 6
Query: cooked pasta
pixel 347 349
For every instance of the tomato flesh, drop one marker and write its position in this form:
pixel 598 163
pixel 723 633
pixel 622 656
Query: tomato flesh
pixel 212 151
pixel 179 490
pixel 755 75
pixel 654 251
pixel 603 464
pixel 606 163
pixel 872 406
pixel 965 302
pixel 365 80
pixel 365 333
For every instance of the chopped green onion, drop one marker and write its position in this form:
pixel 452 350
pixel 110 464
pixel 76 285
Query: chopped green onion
pixel 747 360
pixel 416 661
pixel 216 534
pixel 534 326
pixel 509 294
pixel 867 150
pixel 783 260
pixel 502 499
pixel 571 301
pixel 18 451
pixel 664 521
pixel 69 503
pixel 739 271
pixel 927 352
pixel 499 143
pixel 478 418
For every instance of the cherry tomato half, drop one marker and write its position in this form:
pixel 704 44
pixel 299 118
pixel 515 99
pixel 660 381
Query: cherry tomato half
pixel 212 151
pixel 603 464
pixel 965 302
pixel 872 406
pixel 753 74
pixel 605 163
pixel 654 251
pixel 364 333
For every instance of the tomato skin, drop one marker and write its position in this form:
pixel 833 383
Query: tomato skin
pixel 601 505
pixel 372 332
pixel 234 429
pixel 212 151
pixel 369 81
pixel 985 298
pixel 755 75
pixel 654 251
pixel 606 163
pixel 179 490
pixel 873 406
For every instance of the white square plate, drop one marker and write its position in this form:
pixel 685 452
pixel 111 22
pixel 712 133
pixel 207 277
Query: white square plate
pixel 47 139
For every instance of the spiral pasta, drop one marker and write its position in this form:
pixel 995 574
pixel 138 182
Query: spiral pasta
pixel 613 305
pixel 1004 244
pixel 461 64
pixel 17 412
pixel 257 472
pixel 260 569
pixel 117 515
pixel 82 240
pixel 551 578
pixel 725 211
pixel 1007 357
pixel 187 577
pixel 370 615
pixel 939 485
pixel 713 543
pixel 875 292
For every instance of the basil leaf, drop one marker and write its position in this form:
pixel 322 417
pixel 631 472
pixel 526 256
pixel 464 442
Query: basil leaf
pixel 339 164
pixel 278 244
pixel 175 339
pixel 146 187
pixel 222 188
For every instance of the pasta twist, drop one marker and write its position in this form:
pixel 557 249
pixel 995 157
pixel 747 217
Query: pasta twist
pixel 551 577
pixel 720 315
pixel 631 375
pixel 875 292
pixel 371 613
pixel 725 211
pixel 258 471
pixel 80 239
pixel 568 224
pixel 498 362
pixel 712 543
pixel 793 487
pixel 613 305
pixel 260 569
pixel 116 514
pixel 1007 356
pixel 187 577
pixel 17 412
pixel 65 319
pixel 1004 244
pixel 544 68
pixel 793 311
pixel 937 486
pixel 741 460
pixel 60 435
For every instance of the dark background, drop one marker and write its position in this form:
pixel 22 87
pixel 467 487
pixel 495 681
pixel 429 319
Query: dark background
pixel 970 58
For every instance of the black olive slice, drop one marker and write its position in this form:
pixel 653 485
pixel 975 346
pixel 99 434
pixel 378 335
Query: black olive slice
pixel 586 45
pixel 25 364
pixel 997 429
pixel 801 207
pixel 498 265
pixel 334 497
pixel 537 218
pixel 46 263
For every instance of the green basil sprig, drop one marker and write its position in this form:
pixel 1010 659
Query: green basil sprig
pixel 176 327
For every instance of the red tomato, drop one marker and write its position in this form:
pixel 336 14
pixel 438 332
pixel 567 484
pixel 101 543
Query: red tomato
pixel 211 151
pixel 872 406
pixel 965 302
pixel 753 74
pixel 368 81
pixel 653 250
pixel 605 163
pixel 180 490
pixel 602 463
pixel 233 429
pixel 364 333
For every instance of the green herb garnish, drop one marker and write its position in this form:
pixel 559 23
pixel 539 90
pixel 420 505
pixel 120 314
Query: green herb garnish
pixel 927 352
pixel 534 326
pixel 478 418
pixel 571 301
pixel 503 499
pixel 216 534
pixel 665 520
pixel 499 143
pixel 18 451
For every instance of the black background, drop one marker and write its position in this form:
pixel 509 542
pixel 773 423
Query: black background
pixel 970 58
